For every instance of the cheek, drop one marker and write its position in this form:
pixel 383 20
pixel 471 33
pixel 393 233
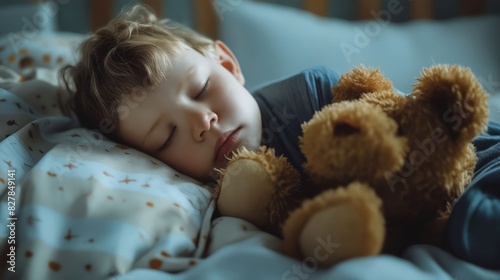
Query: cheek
pixel 188 158
pixel 232 101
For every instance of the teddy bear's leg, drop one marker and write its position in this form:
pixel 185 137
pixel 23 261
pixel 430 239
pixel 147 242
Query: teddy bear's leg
pixel 260 188
pixel 353 84
pixel 457 96
pixel 336 225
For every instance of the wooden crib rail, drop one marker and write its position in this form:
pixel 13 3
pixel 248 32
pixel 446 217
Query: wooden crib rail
pixel 420 9
pixel 205 14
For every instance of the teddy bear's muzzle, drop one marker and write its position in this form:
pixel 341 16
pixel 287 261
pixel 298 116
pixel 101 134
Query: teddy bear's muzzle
pixel 335 143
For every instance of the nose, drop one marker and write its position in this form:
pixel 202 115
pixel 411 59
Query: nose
pixel 201 122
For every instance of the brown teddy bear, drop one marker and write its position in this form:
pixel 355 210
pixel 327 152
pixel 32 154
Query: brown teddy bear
pixel 384 169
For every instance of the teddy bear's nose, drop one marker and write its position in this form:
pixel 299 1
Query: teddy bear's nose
pixel 344 129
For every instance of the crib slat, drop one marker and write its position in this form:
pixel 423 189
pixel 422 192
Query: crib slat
pixel 422 9
pixel 318 7
pixel 156 5
pixel 367 7
pixel 473 7
pixel 100 13
pixel 206 18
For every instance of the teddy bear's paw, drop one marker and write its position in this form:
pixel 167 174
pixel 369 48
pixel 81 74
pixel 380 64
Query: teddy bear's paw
pixel 458 97
pixel 336 225
pixel 258 187
pixel 351 140
pixel 353 84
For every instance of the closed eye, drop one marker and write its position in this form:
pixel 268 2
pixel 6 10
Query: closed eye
pixel 203 90
pixel 169 139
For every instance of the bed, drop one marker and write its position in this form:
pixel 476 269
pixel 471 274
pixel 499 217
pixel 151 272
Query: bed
pixel 75 205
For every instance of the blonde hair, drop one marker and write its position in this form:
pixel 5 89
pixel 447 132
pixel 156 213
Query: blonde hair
pixel 131 54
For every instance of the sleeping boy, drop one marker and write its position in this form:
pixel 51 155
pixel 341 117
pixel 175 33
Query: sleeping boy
pixel 180 97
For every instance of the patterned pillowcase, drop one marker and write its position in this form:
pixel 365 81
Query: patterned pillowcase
pixel 46 50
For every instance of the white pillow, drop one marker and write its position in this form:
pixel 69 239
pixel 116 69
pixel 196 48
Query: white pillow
pixel 272 42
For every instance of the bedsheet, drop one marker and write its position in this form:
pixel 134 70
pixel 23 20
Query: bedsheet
pixel 244 252
pixel 88 208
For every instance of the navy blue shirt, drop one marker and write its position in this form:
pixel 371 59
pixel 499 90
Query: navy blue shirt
pixel 287 104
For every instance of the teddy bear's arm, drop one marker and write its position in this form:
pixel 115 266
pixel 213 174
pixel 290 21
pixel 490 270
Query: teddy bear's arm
pixel 260 188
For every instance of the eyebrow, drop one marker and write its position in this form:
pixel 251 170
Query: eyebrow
pixel 191 71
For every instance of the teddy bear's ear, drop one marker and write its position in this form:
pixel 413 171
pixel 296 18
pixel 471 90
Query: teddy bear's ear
pixel 454 93
pixel 360 80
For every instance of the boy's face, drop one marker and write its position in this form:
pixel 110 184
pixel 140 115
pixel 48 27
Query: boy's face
pixel 198 115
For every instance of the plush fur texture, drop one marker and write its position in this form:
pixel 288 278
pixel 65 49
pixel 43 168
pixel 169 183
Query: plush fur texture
pixel 277 184
pixel 384 169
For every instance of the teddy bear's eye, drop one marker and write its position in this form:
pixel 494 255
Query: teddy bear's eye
pixel 344 129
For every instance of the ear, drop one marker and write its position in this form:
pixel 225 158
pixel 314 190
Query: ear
pixel 227 59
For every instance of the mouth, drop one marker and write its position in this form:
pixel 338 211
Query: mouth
pixel 225 144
